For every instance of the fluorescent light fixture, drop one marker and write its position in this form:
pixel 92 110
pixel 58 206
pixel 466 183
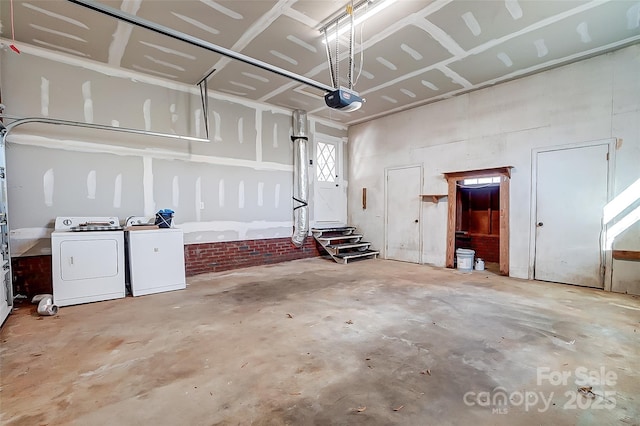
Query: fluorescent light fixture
pixel 377 7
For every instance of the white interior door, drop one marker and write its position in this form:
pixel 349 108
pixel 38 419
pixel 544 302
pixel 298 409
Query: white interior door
pixel 402 216
pixel 571 192
pixel 330 203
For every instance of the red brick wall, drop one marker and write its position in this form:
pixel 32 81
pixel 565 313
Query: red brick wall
pixel 32 275
pixel 215 257
pixel 487 247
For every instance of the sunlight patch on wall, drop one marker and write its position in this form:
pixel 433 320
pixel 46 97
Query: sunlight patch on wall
pixel 616 207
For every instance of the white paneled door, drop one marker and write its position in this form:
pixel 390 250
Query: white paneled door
pixel 330 203
pixel 402 215
pixel 571 192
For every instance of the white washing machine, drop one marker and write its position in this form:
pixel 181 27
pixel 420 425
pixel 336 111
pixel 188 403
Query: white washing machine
pixel 156 258
pixel 87 260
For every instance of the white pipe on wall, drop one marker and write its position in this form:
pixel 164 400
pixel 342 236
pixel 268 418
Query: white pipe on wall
pixel 55 121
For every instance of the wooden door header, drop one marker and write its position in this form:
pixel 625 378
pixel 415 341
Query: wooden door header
pixel 505 171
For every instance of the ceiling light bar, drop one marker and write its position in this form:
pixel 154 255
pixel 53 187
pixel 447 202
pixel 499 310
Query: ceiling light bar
pixel 375 8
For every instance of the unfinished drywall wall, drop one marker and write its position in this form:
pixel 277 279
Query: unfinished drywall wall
pixel 276 137
pixel 595 99
pixel 39 86
pixel 235 186
pixel 51 178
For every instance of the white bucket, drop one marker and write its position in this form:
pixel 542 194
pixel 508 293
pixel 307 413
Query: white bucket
pixel 465 259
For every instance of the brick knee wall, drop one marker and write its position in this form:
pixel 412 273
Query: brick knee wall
pixel 487 247
pixel 32 275
pixel 223 256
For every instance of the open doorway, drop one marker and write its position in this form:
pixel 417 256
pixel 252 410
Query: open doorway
pixel 478 216
pixel 478 219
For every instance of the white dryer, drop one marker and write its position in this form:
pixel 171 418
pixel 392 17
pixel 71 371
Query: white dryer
pixel 87 260
pixel 155 257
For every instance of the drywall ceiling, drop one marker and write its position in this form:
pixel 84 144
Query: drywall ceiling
pixel 409 54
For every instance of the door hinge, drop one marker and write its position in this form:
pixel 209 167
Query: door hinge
pixel 607 156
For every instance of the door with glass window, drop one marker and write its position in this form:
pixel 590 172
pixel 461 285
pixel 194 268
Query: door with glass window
pixel 330 206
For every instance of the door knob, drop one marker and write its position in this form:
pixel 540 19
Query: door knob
pixel 540 223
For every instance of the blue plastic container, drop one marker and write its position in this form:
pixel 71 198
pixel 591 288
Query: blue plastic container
pixel 164 218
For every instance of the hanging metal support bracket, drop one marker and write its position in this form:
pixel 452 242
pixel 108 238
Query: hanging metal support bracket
pixel 204 98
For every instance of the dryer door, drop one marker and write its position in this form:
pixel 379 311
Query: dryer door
pixel 88 259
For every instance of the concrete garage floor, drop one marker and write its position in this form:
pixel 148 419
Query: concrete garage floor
pixel 316 343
